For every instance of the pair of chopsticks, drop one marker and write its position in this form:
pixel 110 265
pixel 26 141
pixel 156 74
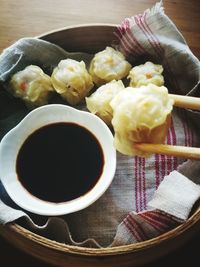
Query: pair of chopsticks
pixel 177 151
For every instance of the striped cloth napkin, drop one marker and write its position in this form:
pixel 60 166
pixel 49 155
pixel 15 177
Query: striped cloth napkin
pixel 153 36
pixel 148 196
pixel 171 205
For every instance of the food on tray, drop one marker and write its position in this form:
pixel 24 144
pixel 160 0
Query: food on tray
pixel 71 80
pixel 108 65
pixel 99 102
pixel 32 85
pixel 146 74
pixel 140 115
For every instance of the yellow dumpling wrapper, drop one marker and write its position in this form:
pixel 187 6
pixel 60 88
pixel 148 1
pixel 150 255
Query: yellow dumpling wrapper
pixel 71 80
pixel 108 65
pixel 140 115
pixel 145 74
pixel 99 102
pixel 32 85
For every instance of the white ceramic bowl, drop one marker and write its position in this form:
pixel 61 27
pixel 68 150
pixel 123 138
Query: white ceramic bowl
pixel 13 140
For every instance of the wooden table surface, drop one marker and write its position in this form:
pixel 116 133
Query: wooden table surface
pixel 24 18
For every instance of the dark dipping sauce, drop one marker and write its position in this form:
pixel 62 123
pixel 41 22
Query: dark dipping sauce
pixel 60 162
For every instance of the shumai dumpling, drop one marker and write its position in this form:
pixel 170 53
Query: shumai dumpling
pixel 140 115
pixel 145 74
pixel 71 80
pixel 108 65
pixel 32 85
pixel 99 102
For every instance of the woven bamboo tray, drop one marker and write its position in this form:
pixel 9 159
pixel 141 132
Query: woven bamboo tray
pixel 93 38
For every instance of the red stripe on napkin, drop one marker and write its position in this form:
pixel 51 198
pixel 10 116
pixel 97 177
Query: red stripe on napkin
pixel 136 184
pixel 143 226
pixel 140 184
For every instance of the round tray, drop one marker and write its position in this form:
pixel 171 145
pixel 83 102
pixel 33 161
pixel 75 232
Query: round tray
pixel 93 38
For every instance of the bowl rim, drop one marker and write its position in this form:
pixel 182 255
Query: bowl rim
pixel 36 119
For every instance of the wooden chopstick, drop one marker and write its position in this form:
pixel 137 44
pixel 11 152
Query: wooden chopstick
pixel 183 101
pixel 171 150
pixel 176 151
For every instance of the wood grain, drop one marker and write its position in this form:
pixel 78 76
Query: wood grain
pixel 24 18
pixel 30 18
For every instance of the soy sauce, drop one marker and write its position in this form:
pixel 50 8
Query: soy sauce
pixel 60 162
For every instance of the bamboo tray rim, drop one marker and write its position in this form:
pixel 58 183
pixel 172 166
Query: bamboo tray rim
pixel 100 252
pixel 76 26
pixel 109 251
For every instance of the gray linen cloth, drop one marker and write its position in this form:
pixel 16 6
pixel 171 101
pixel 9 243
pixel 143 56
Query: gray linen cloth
pixel 122 215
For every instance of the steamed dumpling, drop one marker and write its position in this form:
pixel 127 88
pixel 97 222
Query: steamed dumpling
pixel 146 74
pixel 32 85
pixel 71 80
pixel 140 115
pixel 99 102
pixel 108 65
